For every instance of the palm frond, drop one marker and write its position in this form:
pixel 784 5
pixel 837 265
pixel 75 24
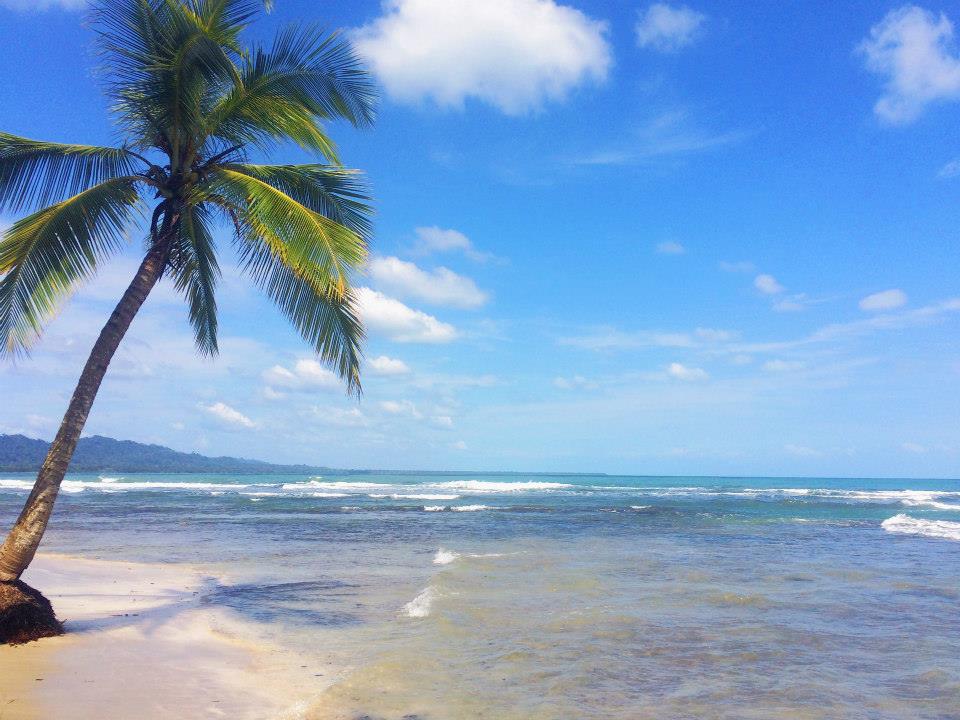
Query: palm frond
pixel 301 237
pixel 195 272
pixel 320 309
pixel 44 256
pixel 35 174
pixel 332 191
pixel 284 93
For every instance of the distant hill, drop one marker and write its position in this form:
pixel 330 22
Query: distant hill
pixel 19 453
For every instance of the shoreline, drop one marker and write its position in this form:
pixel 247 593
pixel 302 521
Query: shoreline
pixel 141 642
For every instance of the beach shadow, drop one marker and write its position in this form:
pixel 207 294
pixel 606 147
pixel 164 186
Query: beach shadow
pixel 291 602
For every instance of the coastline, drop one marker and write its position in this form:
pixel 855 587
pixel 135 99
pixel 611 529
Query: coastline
pixel 141 642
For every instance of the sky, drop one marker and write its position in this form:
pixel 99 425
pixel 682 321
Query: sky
pixel 706 238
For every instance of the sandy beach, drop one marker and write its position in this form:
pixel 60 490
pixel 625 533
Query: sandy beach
pixel 140 643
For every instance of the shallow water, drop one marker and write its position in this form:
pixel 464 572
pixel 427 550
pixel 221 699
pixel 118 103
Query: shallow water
pixel 566 597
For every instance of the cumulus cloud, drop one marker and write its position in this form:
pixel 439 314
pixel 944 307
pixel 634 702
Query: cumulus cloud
pixel 306 375
pixel 687 374
pixel 438 287
pixel 913 50
pixel 384 365
pixel 401 407
pixel 668 28
pixel 512 54
pixel 671 248
pixel 768 285
pixel 434 239
pixel 340 417
pixel 401 323
pixel 228 415
pixel 886 300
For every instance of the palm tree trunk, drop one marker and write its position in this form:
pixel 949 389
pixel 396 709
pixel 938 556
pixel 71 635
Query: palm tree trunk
pixel 21 544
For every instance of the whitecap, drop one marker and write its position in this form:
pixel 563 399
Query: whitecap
pixel 470 508
pixel 421 605
pixel 419 497
pixel 434 508
pixel 106 479
pixel 906 525
pixel 484 486
pixel 444 557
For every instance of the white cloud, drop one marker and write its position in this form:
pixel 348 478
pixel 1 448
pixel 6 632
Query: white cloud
pixel 401 407
pixel 228 415
pixel 612 339
pixel 306 375
pixel 459 445
pixel 512 54
pixel 768 285
pixel 438 287
pixel 687 374
pixel 783 366
pixel 886 300
pixel 950 170
pixel 914 448
pixel 801 451
pixel 575 382
pixel 443 421
pixel 340 417
pixel 913 50
pixel 434 239
pixel 399 322
pixel 671 248
pixel 667 28
pixel 384 365
pixel 667 134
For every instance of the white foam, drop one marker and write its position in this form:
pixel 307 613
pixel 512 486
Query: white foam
pixel 906 525
pixel 336 486
pixel 105 479
pixel 328 495
pixel 434 508
pixel 421 605
pixel 418 497
pixel 640 507
pixel 470 508
pixel 444 557
pixel 484 486
pixel 120 486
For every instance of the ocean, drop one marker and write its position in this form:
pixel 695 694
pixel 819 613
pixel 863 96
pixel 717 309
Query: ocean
pixel 509 597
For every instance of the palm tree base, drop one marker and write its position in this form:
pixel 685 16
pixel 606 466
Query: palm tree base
pixel 25 614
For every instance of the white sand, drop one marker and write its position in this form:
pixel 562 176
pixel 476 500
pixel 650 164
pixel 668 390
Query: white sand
pixel 141 645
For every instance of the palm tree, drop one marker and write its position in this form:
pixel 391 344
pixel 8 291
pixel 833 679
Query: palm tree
pixel 191 104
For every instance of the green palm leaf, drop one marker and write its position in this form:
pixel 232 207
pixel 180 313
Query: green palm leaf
pixel 195 272
pixel 301 237
pixel 330 190
pixel 35 173
pixel 45 255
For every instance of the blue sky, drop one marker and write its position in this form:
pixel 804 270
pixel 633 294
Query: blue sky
pixel 714 238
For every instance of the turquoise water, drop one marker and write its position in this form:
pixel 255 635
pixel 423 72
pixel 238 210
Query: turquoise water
pixel 470 596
